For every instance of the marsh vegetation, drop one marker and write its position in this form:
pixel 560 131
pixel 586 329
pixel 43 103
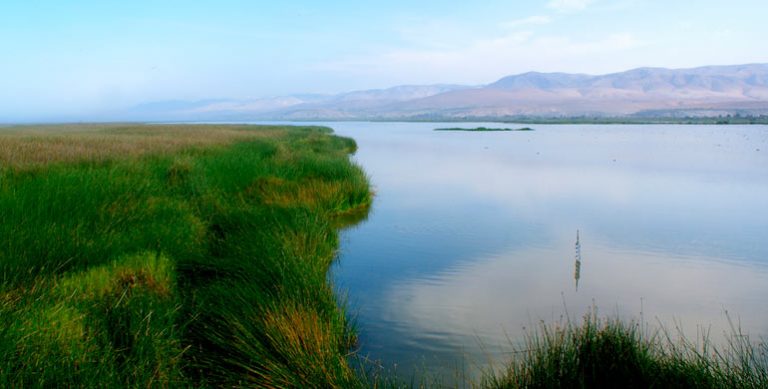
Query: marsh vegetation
pixel 174 255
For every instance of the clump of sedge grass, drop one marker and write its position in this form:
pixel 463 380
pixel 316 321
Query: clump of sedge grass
pixel 112 325
pixel 609 352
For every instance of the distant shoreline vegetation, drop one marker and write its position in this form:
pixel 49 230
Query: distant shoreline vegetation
pixel 523 119
pixel 700 120
pixel 697 120
pixel 483 129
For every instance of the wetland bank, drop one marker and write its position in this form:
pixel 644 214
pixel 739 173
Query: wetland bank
pixel 174 255
pixel 199 255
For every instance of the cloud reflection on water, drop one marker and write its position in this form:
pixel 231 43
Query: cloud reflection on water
pixel 471 235
pixel 488 300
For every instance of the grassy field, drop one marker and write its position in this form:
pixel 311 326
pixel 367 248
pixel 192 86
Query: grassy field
pixel 174 256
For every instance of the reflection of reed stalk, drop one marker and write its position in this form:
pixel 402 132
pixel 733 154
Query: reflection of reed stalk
pixel 577 272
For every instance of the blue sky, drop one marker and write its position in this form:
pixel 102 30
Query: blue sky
pixel 80 57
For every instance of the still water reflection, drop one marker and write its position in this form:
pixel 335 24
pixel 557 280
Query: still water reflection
pixel 577 265
pixel 471 237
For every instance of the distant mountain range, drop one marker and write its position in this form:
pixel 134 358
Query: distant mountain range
pixel 644 92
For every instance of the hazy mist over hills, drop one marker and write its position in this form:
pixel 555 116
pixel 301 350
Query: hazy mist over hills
pixel 702 91
pixel 146 60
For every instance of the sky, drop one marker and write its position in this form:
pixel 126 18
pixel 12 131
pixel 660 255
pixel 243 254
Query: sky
pixel 81 57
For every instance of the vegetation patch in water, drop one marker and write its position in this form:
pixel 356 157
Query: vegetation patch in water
pixel 483 129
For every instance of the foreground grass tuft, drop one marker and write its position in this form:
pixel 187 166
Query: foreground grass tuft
pixel 610 353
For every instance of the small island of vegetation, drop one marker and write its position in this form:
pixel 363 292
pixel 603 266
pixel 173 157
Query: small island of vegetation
pixel 483 129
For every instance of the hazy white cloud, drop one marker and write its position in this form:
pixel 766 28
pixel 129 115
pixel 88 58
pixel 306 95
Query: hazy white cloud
pixel 484 60
pixel 613 42
pixel 432 33
pixel 529 21
pixel 569 5
pixel 723 33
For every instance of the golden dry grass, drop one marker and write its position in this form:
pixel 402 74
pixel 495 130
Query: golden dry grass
pixel 29 147
pixel 309 193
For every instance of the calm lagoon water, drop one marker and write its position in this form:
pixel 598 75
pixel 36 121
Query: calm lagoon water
pixel 471 237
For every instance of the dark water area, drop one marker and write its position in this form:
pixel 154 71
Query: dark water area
pixel 471 239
